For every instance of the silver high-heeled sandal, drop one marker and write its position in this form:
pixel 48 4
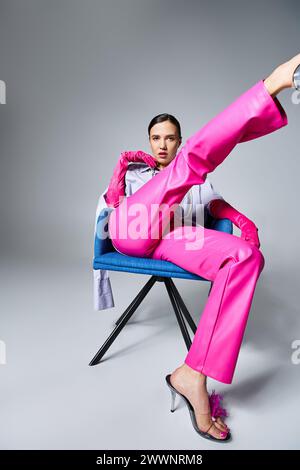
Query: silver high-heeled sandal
pixel 296 78
pixel 204 434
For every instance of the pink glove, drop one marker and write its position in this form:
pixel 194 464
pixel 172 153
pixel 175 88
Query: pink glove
pixel 221 209
pixel 116 189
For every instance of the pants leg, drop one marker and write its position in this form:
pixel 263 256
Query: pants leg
pixel 255 113
pixel 234 266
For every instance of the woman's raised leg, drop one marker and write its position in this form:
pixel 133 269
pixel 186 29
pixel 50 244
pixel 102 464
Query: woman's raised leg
pixel 139 222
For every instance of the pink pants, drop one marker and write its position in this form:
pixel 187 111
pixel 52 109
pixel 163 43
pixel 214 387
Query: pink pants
pixel 233 264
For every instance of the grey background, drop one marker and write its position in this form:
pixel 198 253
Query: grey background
pixel 84 78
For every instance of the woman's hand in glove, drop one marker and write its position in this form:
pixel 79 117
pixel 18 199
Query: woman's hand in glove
pixel 116 189
pixel 138 156
pixel 248 229
pixel 221 209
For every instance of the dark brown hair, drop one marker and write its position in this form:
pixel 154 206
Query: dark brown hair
pixel 165 117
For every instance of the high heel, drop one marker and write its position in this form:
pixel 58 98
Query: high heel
pixel 296 78
pixel 204 434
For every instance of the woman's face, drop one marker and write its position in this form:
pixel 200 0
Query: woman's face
pixel 164 138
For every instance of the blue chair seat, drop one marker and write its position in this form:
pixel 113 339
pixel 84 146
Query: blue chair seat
pixel 115 261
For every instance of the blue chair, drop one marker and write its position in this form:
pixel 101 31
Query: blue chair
pixel 106 257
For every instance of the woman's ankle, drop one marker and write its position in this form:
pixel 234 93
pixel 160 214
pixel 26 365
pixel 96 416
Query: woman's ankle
pixel 194 373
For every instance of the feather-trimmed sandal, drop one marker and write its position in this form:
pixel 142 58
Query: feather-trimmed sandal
pixel 216 411
pixel 215 405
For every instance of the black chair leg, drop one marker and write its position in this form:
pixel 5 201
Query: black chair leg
pixel 179 307
pixel 184 310
pixel 123 320
pixel 178 313
pixel 137 300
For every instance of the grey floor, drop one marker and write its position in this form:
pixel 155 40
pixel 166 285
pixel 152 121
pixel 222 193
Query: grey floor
pixel 52 399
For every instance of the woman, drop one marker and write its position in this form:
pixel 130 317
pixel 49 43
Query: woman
pixel 232 263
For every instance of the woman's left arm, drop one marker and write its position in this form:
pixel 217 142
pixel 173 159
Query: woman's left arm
pixel 221 209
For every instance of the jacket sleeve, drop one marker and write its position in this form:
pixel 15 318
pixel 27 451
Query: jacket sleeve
pixel 103 296
pixel 102 290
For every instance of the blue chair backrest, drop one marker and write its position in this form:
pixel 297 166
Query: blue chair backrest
pixel 103 243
